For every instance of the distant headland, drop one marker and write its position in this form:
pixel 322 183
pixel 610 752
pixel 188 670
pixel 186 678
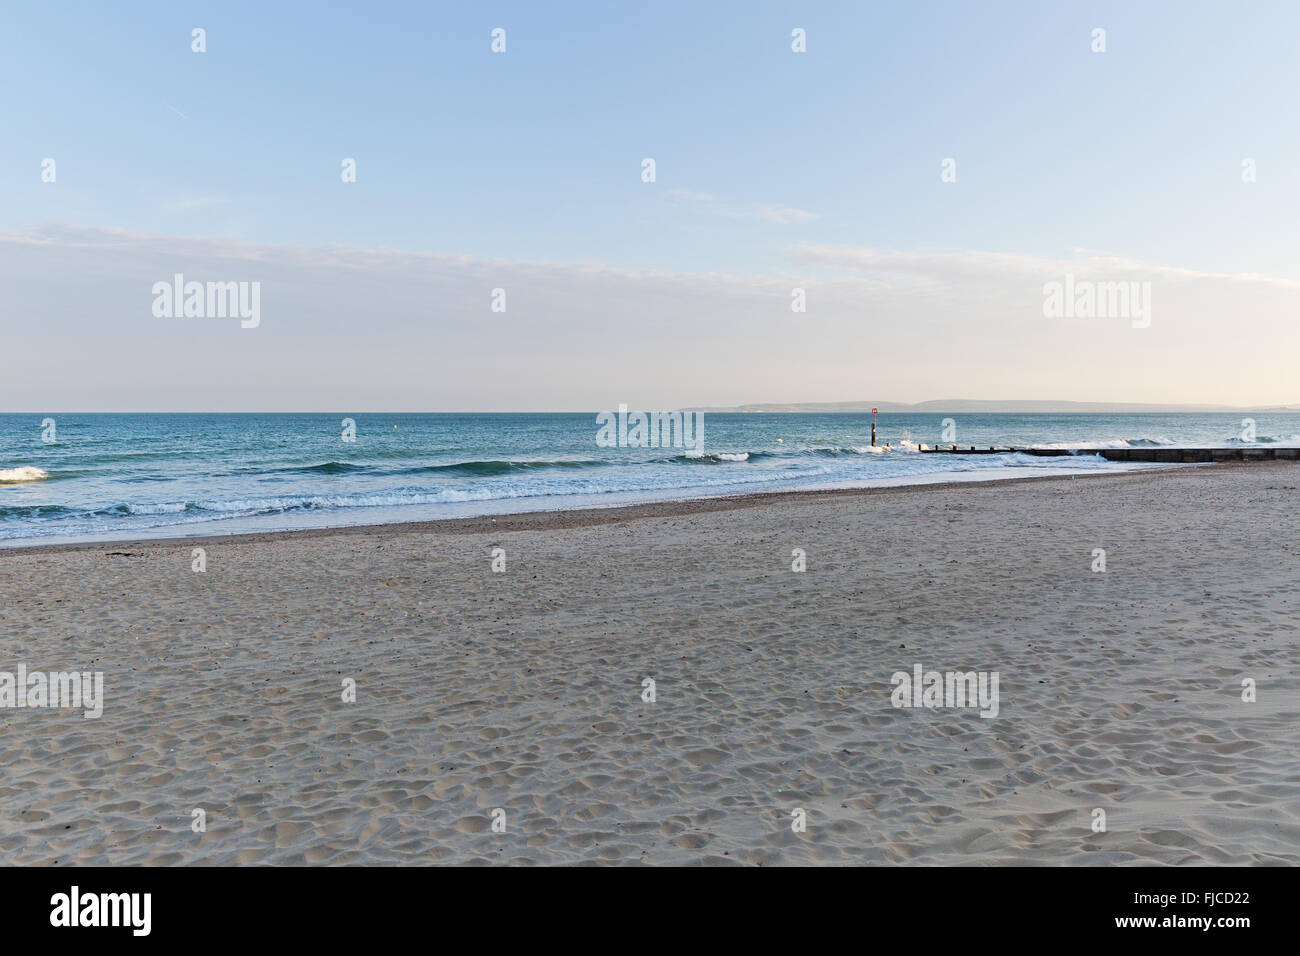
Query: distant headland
pixel 995 407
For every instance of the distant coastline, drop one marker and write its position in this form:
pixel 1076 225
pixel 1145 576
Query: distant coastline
pixel 993 407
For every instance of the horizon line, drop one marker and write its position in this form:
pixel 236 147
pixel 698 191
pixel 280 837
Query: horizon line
pixel 746 408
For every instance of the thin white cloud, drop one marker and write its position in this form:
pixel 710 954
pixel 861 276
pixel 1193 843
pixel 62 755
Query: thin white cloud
pixel 784 214
pixel 686 196
pixel 760 212
pixel 385 329
pixel 965 265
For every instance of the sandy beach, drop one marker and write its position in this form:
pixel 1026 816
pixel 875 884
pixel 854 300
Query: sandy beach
pixel 523 690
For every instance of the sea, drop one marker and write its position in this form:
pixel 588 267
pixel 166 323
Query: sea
pixel 88 476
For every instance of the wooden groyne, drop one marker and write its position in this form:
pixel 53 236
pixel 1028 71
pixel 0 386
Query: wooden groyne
pixel 1139 453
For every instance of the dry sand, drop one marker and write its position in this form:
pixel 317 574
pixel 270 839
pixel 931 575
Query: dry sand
pixel 522 690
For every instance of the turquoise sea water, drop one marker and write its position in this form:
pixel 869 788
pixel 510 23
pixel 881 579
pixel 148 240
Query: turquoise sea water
pixel 117 475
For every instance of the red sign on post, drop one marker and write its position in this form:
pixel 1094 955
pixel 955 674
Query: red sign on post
pixel 873 411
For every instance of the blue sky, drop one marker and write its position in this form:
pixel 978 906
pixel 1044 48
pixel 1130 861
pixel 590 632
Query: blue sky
pixel 535 154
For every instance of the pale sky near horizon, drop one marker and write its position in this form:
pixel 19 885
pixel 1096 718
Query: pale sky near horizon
pixel 522 171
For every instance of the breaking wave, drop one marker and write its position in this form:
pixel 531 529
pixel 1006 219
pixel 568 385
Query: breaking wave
pixel 13 476
pixel 1158 442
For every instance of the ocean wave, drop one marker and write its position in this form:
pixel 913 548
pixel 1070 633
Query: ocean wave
pixel 324 468
pixel 1158 442
pixel 481 468
pixel 472 468
pixel 491 467
pixel 256 506
pixel 704 458
pixel 1263 440
pixel 36 511
pixel 136 509
pixel 839 451
pixel 13 476
pixel 792 454
pixel 670 481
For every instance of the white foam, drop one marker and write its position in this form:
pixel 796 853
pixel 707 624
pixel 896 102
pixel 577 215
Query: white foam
pixel 1106 443
pixel 10 476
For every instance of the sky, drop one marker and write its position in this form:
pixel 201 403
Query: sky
pixel 774 171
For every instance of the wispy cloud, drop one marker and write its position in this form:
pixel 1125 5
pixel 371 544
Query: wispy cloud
pixel 374 328
pixel 758 212
pixel 784 214
pixel 956 267
pixel 685 196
